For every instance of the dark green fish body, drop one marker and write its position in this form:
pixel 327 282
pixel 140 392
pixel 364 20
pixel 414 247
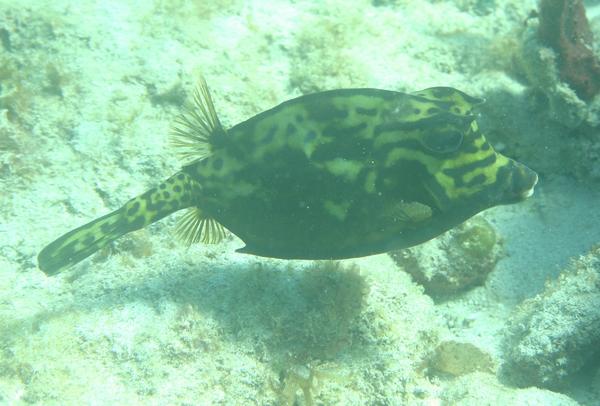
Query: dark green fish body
pixel 337 174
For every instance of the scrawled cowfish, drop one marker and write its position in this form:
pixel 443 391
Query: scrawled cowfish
pixel 330 175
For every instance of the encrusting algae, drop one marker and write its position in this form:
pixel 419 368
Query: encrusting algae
pixel 330 175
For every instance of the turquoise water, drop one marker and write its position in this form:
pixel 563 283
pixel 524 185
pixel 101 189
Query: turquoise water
pixel 501 310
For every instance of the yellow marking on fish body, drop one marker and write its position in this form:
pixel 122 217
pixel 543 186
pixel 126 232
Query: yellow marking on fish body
pixel 370 182
pixel 313 140
pixel 392 137
pixel 337 210
pixel 344 168
pixel 403 154
pixel 488 173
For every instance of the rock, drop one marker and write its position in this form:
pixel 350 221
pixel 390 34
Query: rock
pixel 552 336
pixel 456 261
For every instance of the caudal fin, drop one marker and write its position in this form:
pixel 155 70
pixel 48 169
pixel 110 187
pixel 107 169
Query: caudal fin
pixel 174 194
pixel 82 242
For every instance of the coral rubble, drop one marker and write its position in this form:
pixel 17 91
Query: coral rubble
pixel 480 388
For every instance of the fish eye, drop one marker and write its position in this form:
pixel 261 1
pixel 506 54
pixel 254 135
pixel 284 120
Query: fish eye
pixel 443 142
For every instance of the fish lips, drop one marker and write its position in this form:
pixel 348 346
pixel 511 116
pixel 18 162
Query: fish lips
pixel 517 183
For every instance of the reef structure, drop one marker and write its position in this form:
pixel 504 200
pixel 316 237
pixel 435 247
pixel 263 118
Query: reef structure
pixel 457 261
pixel 564 28
pixel 555 335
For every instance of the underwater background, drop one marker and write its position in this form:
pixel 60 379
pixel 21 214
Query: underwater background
pixel 504 309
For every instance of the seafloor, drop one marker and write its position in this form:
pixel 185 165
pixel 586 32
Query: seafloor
pixel 88 93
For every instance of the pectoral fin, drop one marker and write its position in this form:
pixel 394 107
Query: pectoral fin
pixel 411 214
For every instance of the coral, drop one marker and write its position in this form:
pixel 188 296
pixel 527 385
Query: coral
pixel 557 58
pixel 306 379
pixel 564 28
pixel 458 260
pixel 548 113
pixel 299 378
pixel 554 335
pixel 311 317
pixel 456 359
pixel 538 63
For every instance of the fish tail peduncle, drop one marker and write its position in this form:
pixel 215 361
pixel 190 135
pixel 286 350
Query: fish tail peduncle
pixel 174 194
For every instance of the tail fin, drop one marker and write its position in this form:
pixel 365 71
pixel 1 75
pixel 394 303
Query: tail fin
pixel 172 195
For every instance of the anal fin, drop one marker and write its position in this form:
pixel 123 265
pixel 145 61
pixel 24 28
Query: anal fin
pixel 194 226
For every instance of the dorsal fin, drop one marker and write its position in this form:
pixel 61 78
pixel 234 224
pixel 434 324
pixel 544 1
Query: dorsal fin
pixel 195 227
pixel 462 102
pixel 197 127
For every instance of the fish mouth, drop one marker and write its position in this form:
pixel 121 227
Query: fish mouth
pixel 529 192
pixel 516 183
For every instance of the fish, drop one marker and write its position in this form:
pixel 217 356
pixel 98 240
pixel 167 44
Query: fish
pixel 330 175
